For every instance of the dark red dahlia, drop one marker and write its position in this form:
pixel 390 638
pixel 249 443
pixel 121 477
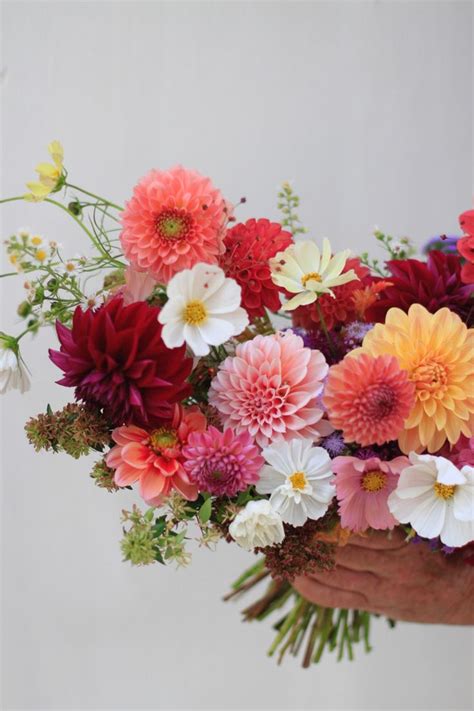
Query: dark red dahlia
pixel 115 358
pixel 336 311
pixel 433 284
pixel 249 246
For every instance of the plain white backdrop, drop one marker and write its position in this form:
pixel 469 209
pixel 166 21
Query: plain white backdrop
pixel 367 106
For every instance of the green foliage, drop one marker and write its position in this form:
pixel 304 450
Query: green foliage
pixel 396 249
pixel 288 201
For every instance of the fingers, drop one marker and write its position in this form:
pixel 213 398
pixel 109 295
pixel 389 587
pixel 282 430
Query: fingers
pixel 341 578
pixel 364 559
pixel 321 594
pixel 380 540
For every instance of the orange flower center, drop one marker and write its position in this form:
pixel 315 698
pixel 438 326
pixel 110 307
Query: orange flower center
pixel 311 276
pixel 173 224
pixel 444 491
pixel 298 480
pixel 163 439
pixel 430 377
pixel 374 481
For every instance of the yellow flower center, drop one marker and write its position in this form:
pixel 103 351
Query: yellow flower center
pixel 298 480
pixel 70 267
pixel 430 378
pixel 13 258
pixel 194 313
pixel 41 255
pixel 374 481
pixel 36 241
pixel 163 438
pixel 311 276
pixel 444 491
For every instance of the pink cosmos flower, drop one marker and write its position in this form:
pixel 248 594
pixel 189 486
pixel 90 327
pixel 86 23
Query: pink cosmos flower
pixel 270 389
pixel 362 489
pixel 154 458
pixel 222 463
pixel 174 220
pixel 138 286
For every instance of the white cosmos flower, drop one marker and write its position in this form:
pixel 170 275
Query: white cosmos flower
pixel 203 309
pixel 257 526
pixel 299 478
pixel 436 499
pixel 13 375
pixel 303 270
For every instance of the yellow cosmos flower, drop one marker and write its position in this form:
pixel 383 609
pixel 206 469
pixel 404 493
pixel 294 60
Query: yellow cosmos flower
pixel 50 175
pixel 303 270
pixel 437 350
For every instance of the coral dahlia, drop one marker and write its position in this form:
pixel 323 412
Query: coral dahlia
pixel 270 388
pixel 368 398
pixel 175 219
pixel 115 358
pixel 154 458
pixel 436 350
pixel 222 463
pixel 433 284
pixel 248 247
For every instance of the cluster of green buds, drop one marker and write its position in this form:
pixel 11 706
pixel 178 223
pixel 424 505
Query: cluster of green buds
pixel 150 539
pixel 288 202
pixel 402 248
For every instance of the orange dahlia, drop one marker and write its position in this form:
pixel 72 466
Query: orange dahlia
pixel 437 351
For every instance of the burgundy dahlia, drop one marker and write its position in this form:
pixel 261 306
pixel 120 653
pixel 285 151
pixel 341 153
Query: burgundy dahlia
pixel 433 284
pixel 115 358
pixel 248 247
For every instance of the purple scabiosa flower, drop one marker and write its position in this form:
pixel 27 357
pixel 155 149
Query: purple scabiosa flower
pixel 334 444
pixel 443 243
pixel 353 334
pixel 222 463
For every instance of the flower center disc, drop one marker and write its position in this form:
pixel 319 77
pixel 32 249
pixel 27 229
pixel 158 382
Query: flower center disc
pixel 162 439
pixel 311 276
pixel 194 313
pixel 444 491
pixel 429 377
pixel 173 224
pixel 374 481
pixel 298 480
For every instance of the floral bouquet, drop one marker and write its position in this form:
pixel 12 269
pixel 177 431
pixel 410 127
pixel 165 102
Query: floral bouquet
pixel 254 386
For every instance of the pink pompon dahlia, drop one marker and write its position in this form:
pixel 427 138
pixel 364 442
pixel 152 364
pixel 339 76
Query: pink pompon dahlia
pixel 270 388
pixel 362 489
pixel 115 358
pixel 175 219
pixel 368 398
pixel 154 458
pixel 222 463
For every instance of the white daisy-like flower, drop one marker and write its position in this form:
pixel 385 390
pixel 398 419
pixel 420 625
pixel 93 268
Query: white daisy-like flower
pixel 203 309
pixel 36 241
pixel 303 270
pixel 436 499
pixel 257 526
pixel 13 375
pixel 299 478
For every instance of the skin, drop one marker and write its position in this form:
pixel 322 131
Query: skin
pixel 404 581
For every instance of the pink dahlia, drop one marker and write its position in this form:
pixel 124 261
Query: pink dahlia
pixel 368 398
pixel 222 463
pixel 175 219
pixel 154 457
pixel 270 388
pixel 362 489
pixel 115 358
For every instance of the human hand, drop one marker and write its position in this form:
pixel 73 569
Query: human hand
pixel 403 581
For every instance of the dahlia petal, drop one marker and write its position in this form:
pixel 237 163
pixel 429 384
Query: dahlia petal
pixel 125 475
pixel 136 455
pixel 151 483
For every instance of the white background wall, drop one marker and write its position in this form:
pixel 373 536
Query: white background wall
pixel 368 107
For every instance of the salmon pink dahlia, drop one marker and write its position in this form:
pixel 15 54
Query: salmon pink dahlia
pixel 115 358
pixel 175 219
pixel 154 457
pixel 368 398
pixel 270 389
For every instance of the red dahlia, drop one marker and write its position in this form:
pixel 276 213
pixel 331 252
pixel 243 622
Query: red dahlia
pixel 249 246
pixel 115 358
pixel 433 284
pixel 336 311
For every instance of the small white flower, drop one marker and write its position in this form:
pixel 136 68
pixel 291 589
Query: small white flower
pixel 23 232
pixel 303 270
pixel 203 309
pixel 91 302
pixel 13 375
pixel 36 241
pixel 67 268
pixel 299 480
pixel 436 499
pixel 257 526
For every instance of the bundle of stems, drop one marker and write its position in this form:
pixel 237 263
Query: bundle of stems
pixel 303 627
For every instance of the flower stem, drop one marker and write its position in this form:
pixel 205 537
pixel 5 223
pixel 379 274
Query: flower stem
pixel 326 331
pixel 93 195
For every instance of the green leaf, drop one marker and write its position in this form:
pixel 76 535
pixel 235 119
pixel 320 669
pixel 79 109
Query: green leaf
pixel 205 511
pixel 159 557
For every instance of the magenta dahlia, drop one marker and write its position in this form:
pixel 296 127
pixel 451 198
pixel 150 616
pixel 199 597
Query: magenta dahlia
pixel 248 247
pixel 222 463
pixel 115 358
pixel 433 284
